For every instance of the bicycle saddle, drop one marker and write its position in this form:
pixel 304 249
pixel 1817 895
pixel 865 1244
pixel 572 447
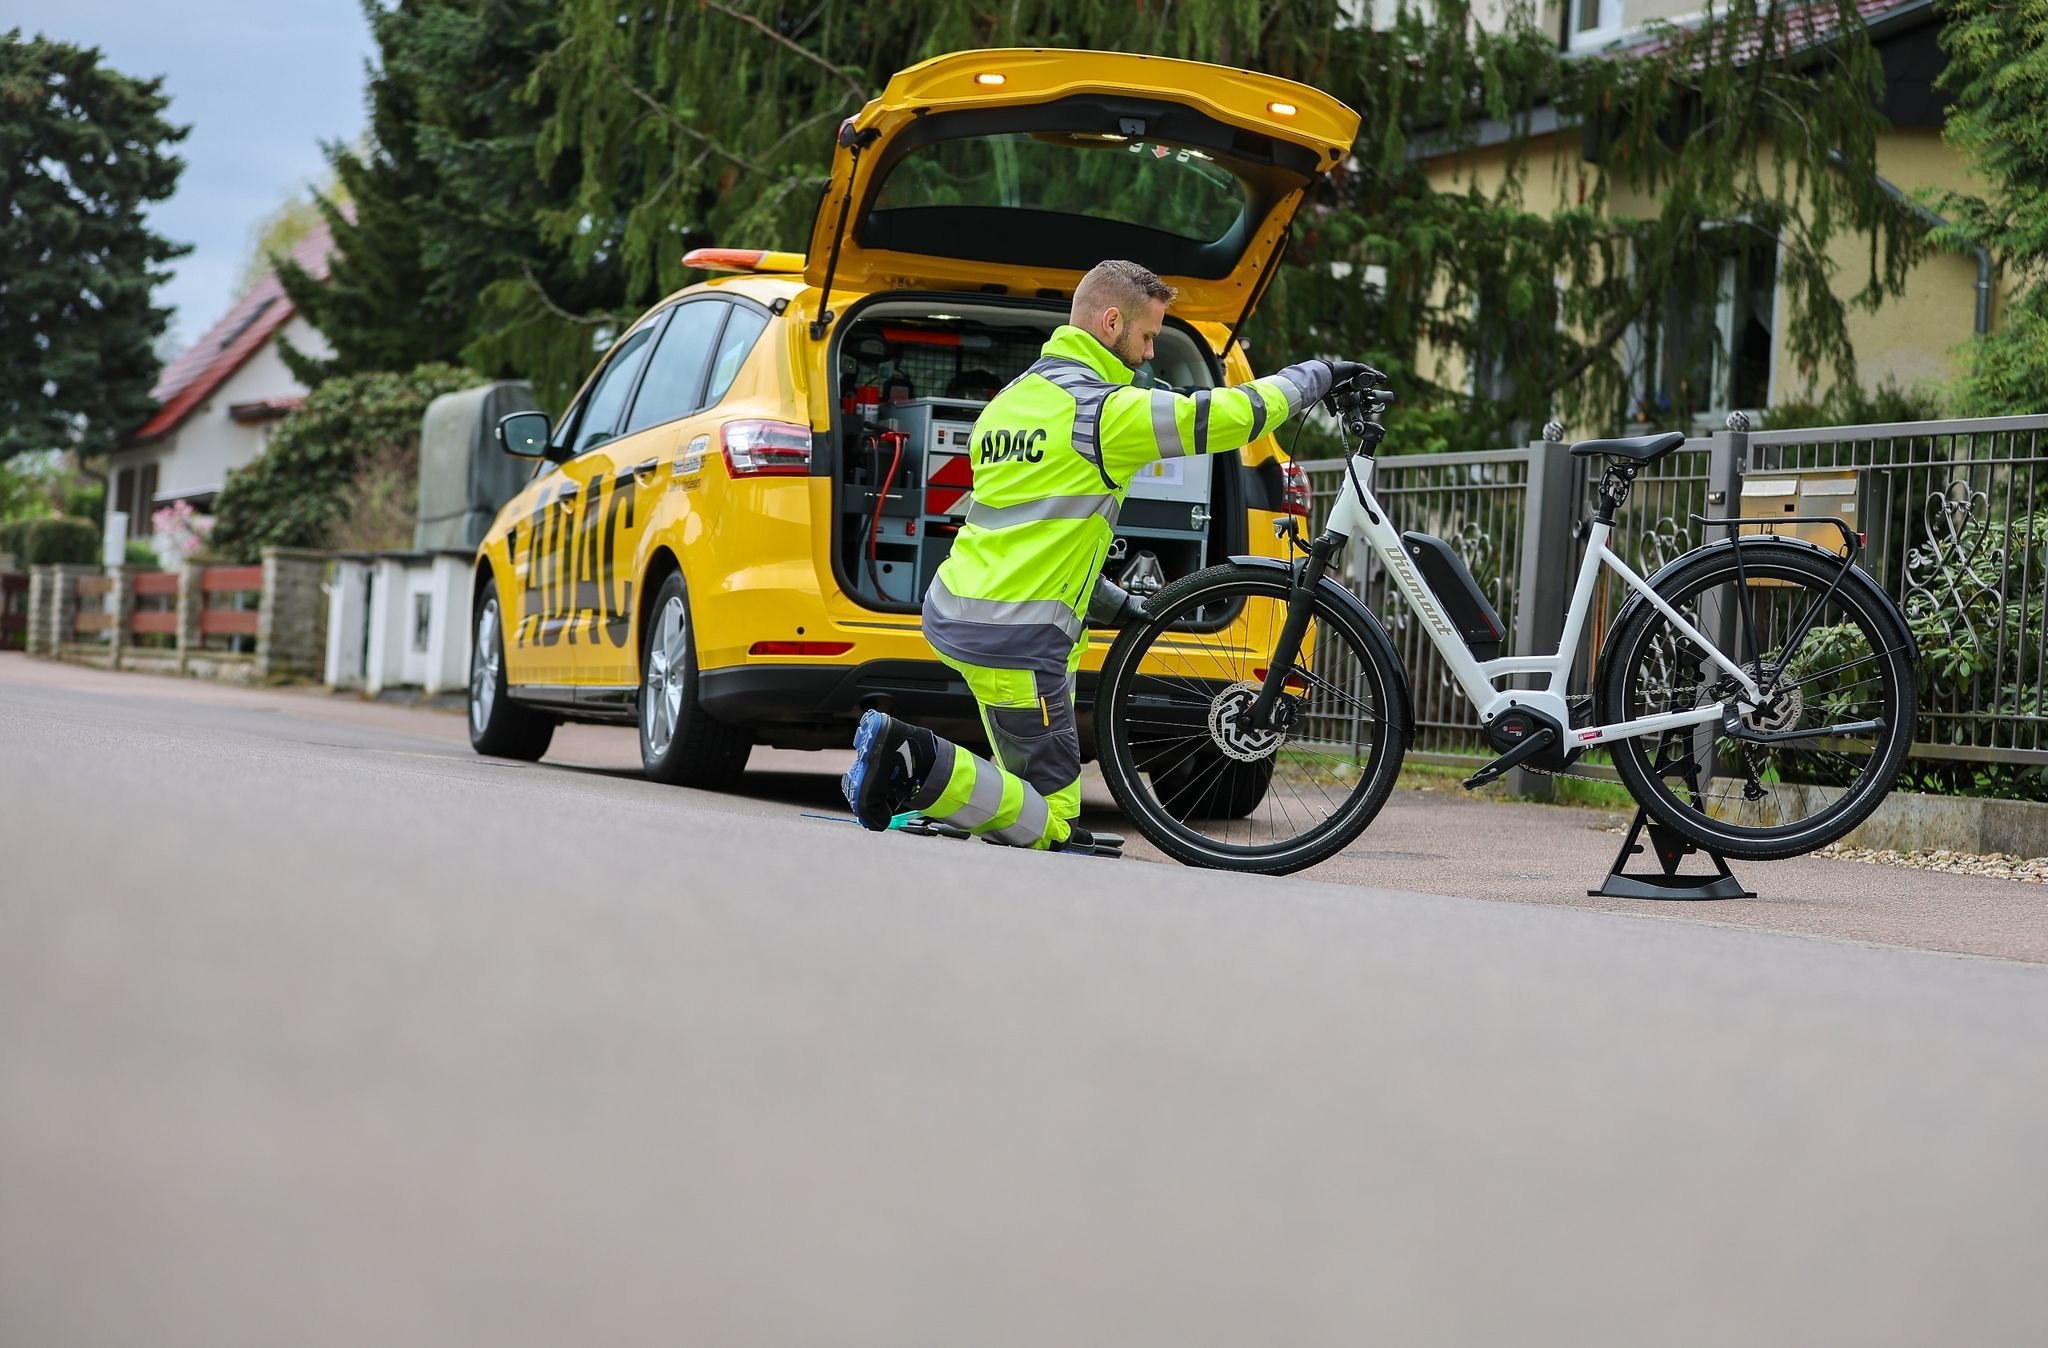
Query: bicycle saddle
pixel 1641 448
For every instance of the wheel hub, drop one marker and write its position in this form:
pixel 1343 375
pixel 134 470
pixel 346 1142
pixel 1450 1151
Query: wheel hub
pixel 1781 713
pixel 1230 723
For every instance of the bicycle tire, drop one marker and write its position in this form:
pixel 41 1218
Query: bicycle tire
pixel 1774 779
pixel 1182 705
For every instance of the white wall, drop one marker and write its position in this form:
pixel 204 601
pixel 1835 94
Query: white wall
pixel 198 456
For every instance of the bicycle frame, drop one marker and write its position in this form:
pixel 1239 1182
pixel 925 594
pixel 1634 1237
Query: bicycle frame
pixel 1358 514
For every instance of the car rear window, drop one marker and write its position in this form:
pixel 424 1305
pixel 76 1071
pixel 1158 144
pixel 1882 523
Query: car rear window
pixel 1176 189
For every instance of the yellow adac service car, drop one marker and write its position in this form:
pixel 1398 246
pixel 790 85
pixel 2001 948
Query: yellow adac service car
pixel 728 535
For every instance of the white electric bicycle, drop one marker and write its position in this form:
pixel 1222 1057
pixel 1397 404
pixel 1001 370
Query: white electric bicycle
pixel 1756 694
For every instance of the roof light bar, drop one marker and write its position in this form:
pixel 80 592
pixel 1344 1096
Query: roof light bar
pixel 743 260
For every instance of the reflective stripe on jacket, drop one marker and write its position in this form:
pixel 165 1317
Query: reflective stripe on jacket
pixel 1053 455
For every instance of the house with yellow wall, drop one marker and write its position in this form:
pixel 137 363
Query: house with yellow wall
pixel 1704 355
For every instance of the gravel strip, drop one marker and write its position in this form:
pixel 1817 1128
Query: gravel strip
pixel 1998 865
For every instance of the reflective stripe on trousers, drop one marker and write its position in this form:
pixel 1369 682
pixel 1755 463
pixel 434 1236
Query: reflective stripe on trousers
pixel 1030 797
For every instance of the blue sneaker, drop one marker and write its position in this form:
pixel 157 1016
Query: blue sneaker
pixel 890 760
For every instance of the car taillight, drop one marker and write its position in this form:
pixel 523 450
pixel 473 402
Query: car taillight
pixel 1295 494
pixel 766 449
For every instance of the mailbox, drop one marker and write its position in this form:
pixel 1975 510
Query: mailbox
pixel 1830 493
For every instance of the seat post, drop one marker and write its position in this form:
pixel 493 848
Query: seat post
pixel 1614 489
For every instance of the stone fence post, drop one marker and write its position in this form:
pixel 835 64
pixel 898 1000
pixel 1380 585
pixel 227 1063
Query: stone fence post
pixel 191 602
pixel 122 608
pixel 291 627
pixel 41 594
pixel 59 609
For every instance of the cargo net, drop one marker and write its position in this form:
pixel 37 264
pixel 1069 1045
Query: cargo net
pixel 983 363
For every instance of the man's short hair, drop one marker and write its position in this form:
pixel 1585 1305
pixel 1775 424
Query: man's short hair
pixel 1120 285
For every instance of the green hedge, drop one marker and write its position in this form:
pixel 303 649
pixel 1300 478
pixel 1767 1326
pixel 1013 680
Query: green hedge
pixel 294 493
pixel 47 541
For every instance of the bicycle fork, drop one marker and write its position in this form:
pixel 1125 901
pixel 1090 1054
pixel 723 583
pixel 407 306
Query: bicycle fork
pixel 1301 602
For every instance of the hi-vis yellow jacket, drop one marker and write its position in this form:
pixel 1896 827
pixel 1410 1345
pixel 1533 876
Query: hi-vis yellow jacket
pixel 1054 454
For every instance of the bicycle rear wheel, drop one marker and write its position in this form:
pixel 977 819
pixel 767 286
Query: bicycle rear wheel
pixel 1203 785
pixel 1840 655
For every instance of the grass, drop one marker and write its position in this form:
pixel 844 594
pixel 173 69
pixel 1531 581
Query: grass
pixel 1581 792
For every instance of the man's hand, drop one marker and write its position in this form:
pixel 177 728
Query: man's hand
pixel 1349 377
pixel 1113 606
pixel 1345 373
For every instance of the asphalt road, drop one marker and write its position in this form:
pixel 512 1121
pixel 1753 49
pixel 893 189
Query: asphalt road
pixel 316 1029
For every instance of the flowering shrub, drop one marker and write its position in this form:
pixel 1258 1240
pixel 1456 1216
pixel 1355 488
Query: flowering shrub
pixel 179 531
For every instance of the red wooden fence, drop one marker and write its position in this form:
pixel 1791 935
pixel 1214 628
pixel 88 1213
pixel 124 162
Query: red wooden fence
pixel 228 620
pixel 91 616
pixel 159 591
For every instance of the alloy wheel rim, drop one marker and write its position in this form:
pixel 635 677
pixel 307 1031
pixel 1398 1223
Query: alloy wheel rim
pixel 483 668
pixel 661 693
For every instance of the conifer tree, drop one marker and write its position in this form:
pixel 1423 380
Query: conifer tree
pixel 709 122
pixel 446 197
pixel 83 150
pixel 1998 72
pixel 562 159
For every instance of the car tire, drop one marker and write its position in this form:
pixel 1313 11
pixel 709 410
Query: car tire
pixel 680 743
pixel 498 726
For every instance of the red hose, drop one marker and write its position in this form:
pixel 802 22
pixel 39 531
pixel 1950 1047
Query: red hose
pixel 898 438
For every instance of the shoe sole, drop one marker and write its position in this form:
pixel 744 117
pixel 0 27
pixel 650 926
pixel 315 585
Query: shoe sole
pixel 873 725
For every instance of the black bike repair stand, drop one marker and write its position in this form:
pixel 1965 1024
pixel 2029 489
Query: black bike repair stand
pixel 1671 848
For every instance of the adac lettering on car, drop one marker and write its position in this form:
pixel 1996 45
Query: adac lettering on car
pixel 1000 445
pixel 573 587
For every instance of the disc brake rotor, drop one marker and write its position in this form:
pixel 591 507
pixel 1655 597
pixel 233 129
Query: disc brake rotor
pixel 1787 704
pixel 1230 723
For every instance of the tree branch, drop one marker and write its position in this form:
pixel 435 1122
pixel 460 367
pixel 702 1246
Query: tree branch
pixel 680 125
pixel 557 310
pixel 805 52
pixel 1601 345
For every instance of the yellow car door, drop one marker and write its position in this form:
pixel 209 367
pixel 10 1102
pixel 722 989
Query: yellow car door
pixel 554 560
pixel 637 466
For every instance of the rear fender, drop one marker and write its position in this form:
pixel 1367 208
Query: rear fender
pixel 1635 601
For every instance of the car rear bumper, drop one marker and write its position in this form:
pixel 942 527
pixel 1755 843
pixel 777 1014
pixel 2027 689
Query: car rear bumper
pixel 833 696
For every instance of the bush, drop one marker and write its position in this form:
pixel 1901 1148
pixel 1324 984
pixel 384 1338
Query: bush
pixel 1850 405
pixel 139 553
pixel 301 489
pixel 50 541
pixel 86 500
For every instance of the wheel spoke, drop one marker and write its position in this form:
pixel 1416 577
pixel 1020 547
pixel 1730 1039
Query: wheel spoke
pixel 1772 798
pixel 1174 734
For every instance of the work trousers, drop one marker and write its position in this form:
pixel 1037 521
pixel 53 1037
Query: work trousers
pixel 1030 796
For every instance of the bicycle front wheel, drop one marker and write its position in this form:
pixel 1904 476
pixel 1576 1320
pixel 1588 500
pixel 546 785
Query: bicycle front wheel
pixel 1836 654
pixel 1194 776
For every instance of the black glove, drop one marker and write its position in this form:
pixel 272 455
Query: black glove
pixel 1349 378
pixel 1345 373
pixel 1113 606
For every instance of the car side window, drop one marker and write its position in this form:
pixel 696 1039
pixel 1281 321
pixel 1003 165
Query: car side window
pixel 741 332
pixel 601 413
pixel 675 372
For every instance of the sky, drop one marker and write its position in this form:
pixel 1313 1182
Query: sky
pixel 262 83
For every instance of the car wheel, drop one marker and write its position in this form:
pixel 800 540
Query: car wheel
pixel 679 743
pixel 498 726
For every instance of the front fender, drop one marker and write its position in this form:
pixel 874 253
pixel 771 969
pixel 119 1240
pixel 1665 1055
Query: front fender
pixel 1375 635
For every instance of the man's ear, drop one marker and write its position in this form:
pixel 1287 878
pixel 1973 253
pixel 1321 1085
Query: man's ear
pixel 1111 317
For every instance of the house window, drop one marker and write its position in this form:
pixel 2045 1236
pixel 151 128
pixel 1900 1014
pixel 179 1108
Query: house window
pixel 1706 348
pixel 1594 22
pixel 135 493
